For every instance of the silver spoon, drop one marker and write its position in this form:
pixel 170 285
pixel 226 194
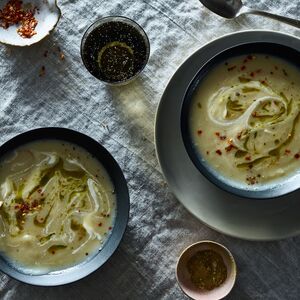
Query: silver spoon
pixel 231 9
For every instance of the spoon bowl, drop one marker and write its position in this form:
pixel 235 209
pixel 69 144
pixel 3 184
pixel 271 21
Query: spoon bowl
pixel 231 9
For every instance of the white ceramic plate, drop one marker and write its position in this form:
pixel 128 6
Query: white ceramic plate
pixel 239 217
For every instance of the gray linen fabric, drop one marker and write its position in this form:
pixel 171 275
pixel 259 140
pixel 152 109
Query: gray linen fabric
pixel 122 119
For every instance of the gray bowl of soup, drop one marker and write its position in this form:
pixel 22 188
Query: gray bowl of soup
pixel 63 202
pixel 240 120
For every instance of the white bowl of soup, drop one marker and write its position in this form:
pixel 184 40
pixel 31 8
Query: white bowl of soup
pixel 240 120
pixel 63 201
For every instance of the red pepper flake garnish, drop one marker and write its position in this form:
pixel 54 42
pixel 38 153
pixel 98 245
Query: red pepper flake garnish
pixel 263 82
pixel 199 132
pixel 231 68
pixel 17 206
pixel 13 13
pixel 248 157
pixel 109 228
pixel 245 60
pixel 243 68
pixel 207 152
pixel 297 155
pixel 100 224
pixel 217 133
pixel 46 53
pixel 251 180
pixel 252 74
pixel 230 147
pixel 219 152
pixel 223 137
pixel 239 136
pixel 287 151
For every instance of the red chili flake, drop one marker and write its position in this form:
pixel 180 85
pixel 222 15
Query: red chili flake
pixel 231 68
pixel 243 68
pixel 248 157
pixel 61 56
pixel 13 13
pixel 17 206
pixel 251 180
pixel 287 151
pixel 42 71
pixel 46 53
pixel 207 152
pixel 199 132
pixel 252 74
pixel 245 60
pixel 109 228
pixel 100 224
pixel 239 136
pixel 53 252
pixel 223 137
pixel 217 133
pixel 229 148
pixel 271 72
pixel 219 152
pixel 297 155
pixel 263 82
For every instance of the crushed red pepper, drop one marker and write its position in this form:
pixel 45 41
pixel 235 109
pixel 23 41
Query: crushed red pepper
pixel 13 13
pixel 219 152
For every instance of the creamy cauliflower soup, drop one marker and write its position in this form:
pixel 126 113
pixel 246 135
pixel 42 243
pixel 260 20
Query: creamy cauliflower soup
pixel 244 119
pixel 57 205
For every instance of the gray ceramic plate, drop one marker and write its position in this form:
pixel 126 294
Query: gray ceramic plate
pixel 239 217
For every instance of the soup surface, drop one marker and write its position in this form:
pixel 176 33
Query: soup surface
pixel 244 119
pixel 57 205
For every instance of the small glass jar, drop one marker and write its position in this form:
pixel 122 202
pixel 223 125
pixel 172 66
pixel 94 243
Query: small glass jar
pixel 115 50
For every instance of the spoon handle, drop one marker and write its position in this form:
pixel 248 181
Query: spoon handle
pixel 290 21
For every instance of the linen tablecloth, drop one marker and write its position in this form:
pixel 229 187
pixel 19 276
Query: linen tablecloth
pixel 122 119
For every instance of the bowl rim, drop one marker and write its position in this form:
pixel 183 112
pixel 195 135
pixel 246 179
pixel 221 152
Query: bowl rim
pixel 125 20
pixel 85 268
pixel 218 245
pixel 195 156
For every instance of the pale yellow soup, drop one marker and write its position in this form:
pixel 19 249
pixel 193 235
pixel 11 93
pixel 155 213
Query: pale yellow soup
pixel 57 205
pixel 244 119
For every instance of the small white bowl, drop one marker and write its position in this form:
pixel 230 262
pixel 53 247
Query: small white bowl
pixel 48 15
pixel 183 276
